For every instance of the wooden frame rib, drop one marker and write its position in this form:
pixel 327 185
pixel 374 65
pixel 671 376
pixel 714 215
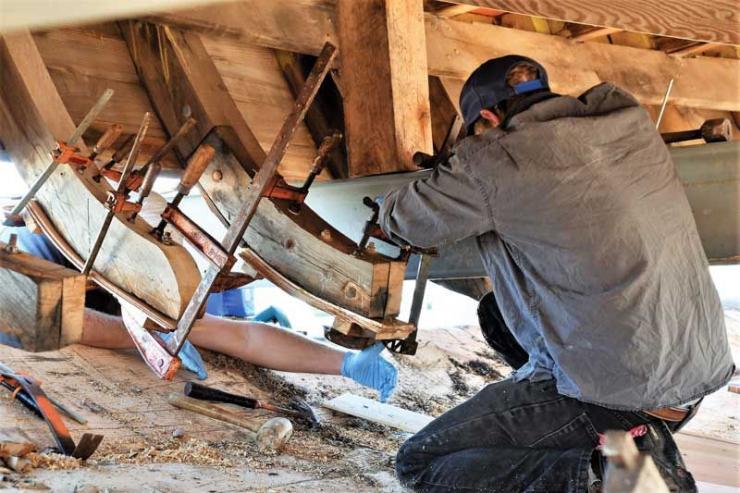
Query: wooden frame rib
pixel 32 117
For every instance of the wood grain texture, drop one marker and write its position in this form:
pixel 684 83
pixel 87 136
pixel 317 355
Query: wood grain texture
pixel 454 49
pixel 41 219
pixel 701 20
pixel 101 59
pixel 32 116
pixel 457 48
pixel 29 14
pixel 41 302
pixel 385 87
pixel 388 328
pixel 290 243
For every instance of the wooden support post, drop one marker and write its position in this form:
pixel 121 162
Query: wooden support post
pixel 384 81
pixel 42 303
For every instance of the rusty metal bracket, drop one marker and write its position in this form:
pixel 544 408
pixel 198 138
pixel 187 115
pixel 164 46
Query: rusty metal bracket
pixel 254 193
pixel 199 238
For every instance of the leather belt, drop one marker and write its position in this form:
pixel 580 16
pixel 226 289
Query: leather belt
pixel 672 414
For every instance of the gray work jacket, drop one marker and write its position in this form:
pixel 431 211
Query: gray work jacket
pixel 588 238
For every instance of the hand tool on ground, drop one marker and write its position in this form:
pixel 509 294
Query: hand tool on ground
pixel 270 436
pixel 279 189
pixel 301 410
pixel 117 200
pixel 69 144
pixel 59 405
pixel 714 130
pixel 253 193
pixel 27 390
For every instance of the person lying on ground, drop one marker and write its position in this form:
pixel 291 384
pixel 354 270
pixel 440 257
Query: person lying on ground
pixel 258 343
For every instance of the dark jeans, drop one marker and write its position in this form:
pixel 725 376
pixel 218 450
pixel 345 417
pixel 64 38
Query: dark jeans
pixel 523 436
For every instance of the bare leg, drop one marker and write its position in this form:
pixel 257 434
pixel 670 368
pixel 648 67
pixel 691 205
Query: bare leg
pixel 257 343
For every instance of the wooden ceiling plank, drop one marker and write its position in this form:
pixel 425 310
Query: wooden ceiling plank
pixel 701 20
pixel 595 33
pixel 454 49
pixel 18 15
pixel 386 91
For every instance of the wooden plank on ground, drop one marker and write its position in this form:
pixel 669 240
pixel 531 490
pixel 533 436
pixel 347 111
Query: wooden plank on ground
pixel 711 460
pixel 456 48
pixel 42 303
pixel 378 412
pixel 384 84
pixel 32 117
pixel 702 20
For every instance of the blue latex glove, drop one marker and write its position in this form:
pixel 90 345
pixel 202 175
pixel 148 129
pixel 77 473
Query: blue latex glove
pixel 190 357
pixel 368 368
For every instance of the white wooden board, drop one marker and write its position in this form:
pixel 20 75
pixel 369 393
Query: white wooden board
pixel 377 412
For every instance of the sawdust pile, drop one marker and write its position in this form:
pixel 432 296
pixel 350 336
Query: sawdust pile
pixel 186 451
pixel 53 461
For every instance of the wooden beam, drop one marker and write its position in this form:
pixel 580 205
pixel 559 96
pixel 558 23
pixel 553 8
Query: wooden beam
pixel 381 329
pixel 385 88
pixel 454 10
pixel 700 20
pixel 324 117
pixel 42 303
pixel 454 49
pixel 83 62
pixel 34 14
pixel 301 247
pixel 599 32
pixel 32 117
pixel 694 49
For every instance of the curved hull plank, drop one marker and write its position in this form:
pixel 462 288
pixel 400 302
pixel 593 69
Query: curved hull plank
pixel 302 248
pixel 32 117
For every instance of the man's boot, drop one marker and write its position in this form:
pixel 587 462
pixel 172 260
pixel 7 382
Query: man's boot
pixel 659 443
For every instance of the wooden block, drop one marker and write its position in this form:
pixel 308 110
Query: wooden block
pixel 41 302
pixel 377 412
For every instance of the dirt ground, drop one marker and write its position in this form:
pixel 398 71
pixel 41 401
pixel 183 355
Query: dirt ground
pixel 150 446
